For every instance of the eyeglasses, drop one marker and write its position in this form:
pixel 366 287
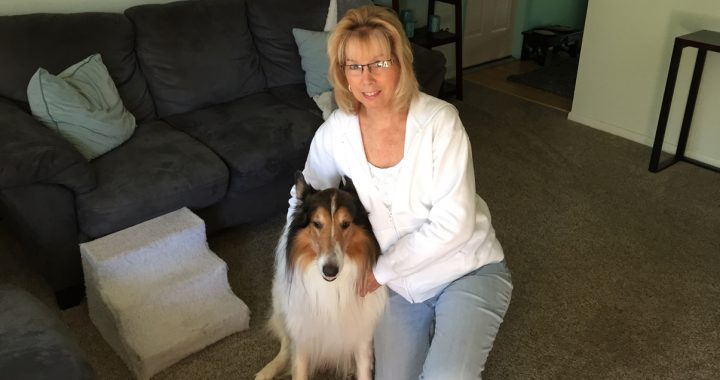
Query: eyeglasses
pixel 378 67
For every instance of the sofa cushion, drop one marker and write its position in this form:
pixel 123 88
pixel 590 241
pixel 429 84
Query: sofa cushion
pixel 312 47
pixel 196 53
pixel 296 96
pixel 56 41
pixel 157 171
pixel 272 33
pixel 83 105
pixel 31 153
pixel 36 344
pixel 257 136
pixel 341 7
pixel 345 5
pixel 429 66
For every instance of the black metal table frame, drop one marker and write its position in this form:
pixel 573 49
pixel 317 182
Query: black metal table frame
pixel 703 40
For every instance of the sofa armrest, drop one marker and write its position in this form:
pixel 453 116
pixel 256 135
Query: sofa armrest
pixel 32 153
pixel 43 219
pixel 429 68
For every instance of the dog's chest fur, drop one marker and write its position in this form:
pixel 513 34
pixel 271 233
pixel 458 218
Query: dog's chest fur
pixel 329 318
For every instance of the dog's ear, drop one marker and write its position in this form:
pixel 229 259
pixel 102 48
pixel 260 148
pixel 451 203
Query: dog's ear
pixel 302 189
pixel 347 185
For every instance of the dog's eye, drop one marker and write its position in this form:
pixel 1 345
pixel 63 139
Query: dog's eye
pixel 344 225
pixel 317 225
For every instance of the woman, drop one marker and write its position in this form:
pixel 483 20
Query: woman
pixel 410 159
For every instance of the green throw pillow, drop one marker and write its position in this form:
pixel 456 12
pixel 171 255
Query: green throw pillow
pixel 312 47
pixel 83 105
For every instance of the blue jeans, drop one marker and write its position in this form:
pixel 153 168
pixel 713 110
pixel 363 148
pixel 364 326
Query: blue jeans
pixel 448 336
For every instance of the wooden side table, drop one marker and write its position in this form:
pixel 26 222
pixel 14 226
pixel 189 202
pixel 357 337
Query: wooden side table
pixel 703 40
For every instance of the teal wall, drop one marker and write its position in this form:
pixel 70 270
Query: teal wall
pixel 533 13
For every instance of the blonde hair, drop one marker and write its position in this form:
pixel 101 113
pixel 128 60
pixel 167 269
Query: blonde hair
pixel 365 25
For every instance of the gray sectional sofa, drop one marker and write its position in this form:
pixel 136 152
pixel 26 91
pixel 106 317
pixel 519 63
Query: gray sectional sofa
pixel 223 120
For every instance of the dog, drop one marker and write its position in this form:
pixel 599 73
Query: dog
pixel 322 257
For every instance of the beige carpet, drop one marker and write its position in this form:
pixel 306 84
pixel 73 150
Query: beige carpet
pixel 616 269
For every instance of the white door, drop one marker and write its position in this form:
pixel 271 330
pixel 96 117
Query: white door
pixel 488 31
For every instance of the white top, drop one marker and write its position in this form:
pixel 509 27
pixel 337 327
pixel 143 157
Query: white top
pixel 437 229
pixel 384 180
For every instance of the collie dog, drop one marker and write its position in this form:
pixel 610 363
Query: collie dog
pixel 322 257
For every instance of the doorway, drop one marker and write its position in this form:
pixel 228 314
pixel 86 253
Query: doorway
pixel 488 31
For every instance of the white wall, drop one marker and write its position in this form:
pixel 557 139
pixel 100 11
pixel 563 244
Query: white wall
pixel 623 68
pixel 16 7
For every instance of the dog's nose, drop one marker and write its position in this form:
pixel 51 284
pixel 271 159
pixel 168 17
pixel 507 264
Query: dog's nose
pixel 330 271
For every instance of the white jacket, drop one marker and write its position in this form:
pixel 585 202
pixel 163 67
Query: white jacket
pixel 437 228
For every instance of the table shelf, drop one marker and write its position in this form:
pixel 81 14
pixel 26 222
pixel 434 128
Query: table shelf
pixel 429 40
pixel 425 38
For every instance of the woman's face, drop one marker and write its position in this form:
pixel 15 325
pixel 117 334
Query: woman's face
pixel 372 73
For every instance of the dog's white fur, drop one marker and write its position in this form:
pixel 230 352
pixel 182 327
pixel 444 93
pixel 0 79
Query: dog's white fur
pixel 321 323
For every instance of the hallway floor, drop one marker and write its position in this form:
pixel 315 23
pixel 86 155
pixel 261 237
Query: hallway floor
pixel 494 75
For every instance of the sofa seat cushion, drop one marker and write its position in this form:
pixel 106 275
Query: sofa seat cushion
pixel 296 96
pixel 157 171
pixel 196 53
pixel 259 137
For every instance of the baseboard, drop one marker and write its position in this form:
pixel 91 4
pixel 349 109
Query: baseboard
pixel 613 129
pixel 639 138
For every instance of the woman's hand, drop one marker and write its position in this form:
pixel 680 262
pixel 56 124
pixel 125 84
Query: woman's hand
pixel 369 285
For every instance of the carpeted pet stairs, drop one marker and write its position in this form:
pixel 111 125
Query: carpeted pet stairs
pixel 157 293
